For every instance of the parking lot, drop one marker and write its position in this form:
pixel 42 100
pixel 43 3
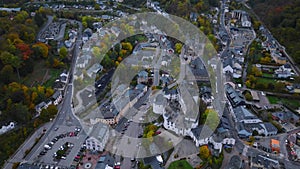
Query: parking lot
pixel 60 148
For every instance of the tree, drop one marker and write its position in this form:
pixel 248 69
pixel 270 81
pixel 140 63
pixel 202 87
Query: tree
pixel 248 84
pixel 178 47
pixel 9 59
pixel 97 7
pixel 107 62
pixel 248 96
pixel 127 46
pixel 254 133
pixel 204 152
pixel 19 112
pixel 40 50
pixel 63 51
pixel 255 71
pixel 21 17
pixel 25 49
pixel 6 74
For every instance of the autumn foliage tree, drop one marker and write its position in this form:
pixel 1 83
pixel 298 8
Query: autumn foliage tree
pixel 204 152
pixel 25 50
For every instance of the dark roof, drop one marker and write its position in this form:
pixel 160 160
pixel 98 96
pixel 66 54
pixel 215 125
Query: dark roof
pixel 270 127
pixel 153 162
pixel 40 105
pixel 285 115
pixel 235 97
pixel 205 89
pixel 143 73
pixel 227 61
pixel 243 113
pixel 198 68
pixel 202 132
pixel 56 95
pixel 58 85
pixel 105 160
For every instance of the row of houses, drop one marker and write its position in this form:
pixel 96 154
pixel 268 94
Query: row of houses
pixel 246 122
pixel 56 98
pixel 123 99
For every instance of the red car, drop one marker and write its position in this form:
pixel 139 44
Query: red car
pixel 157 132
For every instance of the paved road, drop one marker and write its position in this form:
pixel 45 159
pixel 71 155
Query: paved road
pixel 20 153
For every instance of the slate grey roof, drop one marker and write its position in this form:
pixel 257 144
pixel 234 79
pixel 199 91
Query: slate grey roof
pixel 56 95
pixel 99 131
pixel 143 74
pixel 285 115
pixel 270 127
pixel 235 97
pixel 227 62
pixel 105 160
pixel 201 132
pixel 243 113
pixel 198 68
pixel 160 100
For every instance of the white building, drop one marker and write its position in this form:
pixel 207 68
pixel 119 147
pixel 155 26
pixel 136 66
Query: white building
pixel 98 137
pixel 5 129
pixel 159 104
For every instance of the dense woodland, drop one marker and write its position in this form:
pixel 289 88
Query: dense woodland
pixel 282 17
pixel 20 60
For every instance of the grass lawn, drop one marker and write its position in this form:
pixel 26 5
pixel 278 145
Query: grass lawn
pixel 42 75
pixel 267 75
pixel 53 74
pixel 180 164
pixel 265 80
pixel 293 103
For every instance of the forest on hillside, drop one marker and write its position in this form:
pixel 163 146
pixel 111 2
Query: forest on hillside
pixel 282 17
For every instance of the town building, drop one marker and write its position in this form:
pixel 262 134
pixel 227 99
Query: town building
pixel 105 162
pixel 275 146
pixel 98 137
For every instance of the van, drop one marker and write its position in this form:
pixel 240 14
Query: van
pixel 47 147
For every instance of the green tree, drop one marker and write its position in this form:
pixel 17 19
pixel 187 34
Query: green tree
pixel 248 96
pixel 255 133
pixel 19 112
pixel 40 50
pixel 97 7
pixel 63 52
pixel 6 74
pixel 178 47
pixel 9 59
pixel 255 71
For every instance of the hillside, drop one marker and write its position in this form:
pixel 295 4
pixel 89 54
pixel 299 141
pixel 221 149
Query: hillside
pixel 282 17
